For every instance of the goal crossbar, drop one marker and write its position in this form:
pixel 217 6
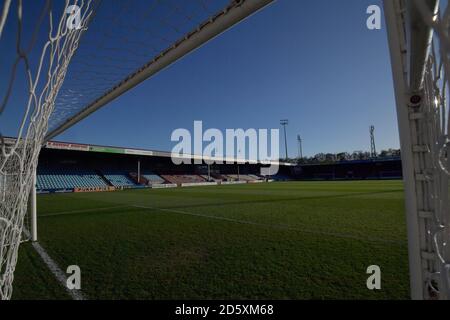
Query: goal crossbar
pixel 230 16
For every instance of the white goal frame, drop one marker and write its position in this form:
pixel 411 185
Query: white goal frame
pixel 416 64
pixel 409 42
pixel 233 14
pixel 65 43
pixel 230 16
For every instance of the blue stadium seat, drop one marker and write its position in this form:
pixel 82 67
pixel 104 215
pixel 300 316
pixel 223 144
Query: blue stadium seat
pixel 119 179
pixel 51 179
pixel 153 178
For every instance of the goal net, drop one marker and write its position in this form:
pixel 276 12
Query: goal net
pixel 54 74
pixel 38 66
pixel 418 32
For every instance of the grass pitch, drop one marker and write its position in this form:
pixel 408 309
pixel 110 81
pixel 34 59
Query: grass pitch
pixel 296 240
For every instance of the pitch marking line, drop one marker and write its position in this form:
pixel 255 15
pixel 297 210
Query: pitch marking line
pixel 273 226
pixel 56 270
pixel 81 211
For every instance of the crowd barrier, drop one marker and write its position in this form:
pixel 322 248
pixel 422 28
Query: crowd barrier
pixel 163 186
pixel 67 190
pixel 198 184
pixel 96 189
pixel 153 186
pixel 233 182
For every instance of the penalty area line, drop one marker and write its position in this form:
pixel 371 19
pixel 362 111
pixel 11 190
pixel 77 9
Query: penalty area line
pixel 275 226
pixel 81 211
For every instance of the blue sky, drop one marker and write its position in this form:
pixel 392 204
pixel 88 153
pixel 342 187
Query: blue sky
pixel 312 62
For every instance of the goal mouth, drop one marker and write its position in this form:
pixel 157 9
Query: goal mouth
pixel 71 58
pixel 127 42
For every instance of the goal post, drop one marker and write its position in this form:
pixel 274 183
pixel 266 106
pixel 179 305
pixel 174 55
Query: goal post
pixel 397 43
pixel 33 209
pixel 418 34
pixel 235 12
pixel 44 48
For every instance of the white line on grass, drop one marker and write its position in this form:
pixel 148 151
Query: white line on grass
pixel 81 211
pixel 55 269
pixel 273 226
pixel 57 272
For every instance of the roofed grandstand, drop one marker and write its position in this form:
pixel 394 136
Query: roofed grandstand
pixel 56 178
pixel 66 167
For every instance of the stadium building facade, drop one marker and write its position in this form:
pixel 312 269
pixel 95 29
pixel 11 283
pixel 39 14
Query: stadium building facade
pixel 72 167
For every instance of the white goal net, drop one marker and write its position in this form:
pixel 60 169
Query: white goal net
pixel 54 74
pixel 127 42
pixel 42 66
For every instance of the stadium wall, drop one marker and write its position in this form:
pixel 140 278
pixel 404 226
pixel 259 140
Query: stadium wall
pixel 373 169
pixel 107 162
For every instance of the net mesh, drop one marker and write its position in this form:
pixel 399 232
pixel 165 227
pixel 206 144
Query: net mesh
pixel 433 131
pixel 123 37
pixel 43 69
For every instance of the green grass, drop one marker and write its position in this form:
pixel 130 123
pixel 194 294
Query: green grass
pixel 298 240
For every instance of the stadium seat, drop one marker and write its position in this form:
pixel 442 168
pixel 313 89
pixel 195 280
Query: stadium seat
pixel 54 179
pixel 118 179
pixel 153 178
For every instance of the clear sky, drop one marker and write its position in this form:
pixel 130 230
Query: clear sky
pixel 312 62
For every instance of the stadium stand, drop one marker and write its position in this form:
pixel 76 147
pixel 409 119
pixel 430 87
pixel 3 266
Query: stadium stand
pixel 393 174
pixel 141 180
pixel 210 178
pixel 56 179
pixel 280 177
pixel 353 170
pixel 65 169
pixel 185 178
pixel 153 178
pixel 218 177
pixel 241 177
pixel 228 177
pixel 119 179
